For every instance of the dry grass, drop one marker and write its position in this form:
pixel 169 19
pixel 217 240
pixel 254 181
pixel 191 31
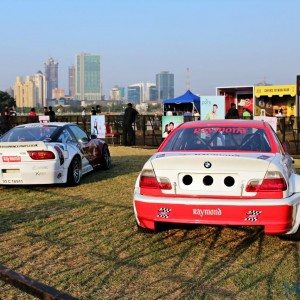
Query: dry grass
pixel 83 241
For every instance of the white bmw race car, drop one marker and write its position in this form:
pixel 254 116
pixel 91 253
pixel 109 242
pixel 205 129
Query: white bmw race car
pixel 49 153
pixel 226 172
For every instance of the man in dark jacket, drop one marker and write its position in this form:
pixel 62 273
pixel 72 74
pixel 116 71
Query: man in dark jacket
pixel 232 113
pixel 51 114
pixel 128 119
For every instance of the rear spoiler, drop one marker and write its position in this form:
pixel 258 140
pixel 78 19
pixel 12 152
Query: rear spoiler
pixel 22 145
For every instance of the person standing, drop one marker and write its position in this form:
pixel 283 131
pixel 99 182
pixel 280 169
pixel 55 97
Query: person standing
pixel 128 119
pixel 246 114
pixel 32 115
pixel 46 111
pixel 51 114
pixel 98 109
pixel 232 113
pixel 83 118
pixel 93 111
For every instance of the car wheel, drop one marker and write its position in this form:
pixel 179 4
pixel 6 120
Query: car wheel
pixel 74 172
pixel 105 158
pixel 293 237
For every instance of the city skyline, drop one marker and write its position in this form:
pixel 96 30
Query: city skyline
pixel 222 43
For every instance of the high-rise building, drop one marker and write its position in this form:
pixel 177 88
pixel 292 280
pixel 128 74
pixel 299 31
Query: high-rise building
pixel 72 81
pixel 165 85
pixel 51 75
pixel 135 93
pixel 87 74
pixel 117 93
pixel 24 92
pixel 150 92
pixel 40 89
pixel 30 92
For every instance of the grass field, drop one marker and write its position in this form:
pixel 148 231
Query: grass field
pixel 84 241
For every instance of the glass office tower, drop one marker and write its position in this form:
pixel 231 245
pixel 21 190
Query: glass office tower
pixel 165 85
pixel 51 76
pixel 88 84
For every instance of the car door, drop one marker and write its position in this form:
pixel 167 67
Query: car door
pixel 85 144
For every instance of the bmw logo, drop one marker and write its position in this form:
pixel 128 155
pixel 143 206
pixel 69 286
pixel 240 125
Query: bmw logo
pixel 207 164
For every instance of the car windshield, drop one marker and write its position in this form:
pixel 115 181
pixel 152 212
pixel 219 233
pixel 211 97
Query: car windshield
pixel 219 138
pixel 27 134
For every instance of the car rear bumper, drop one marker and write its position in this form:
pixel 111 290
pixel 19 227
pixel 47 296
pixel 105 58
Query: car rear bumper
pixel 277 216
pixel 32 173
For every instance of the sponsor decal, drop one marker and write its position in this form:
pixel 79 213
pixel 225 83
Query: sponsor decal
pixel 163 213
pixel 19 146
pixel 207 212
pixel 39 173
pixel 12 181
pixel 252 215
pixel 11 158
pixel 208 130
pixel 160 155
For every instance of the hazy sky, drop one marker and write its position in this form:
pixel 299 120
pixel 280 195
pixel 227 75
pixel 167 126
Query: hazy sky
pixel 222 42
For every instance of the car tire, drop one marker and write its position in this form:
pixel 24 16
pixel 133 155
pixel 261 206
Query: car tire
pixel 293 237
pixel 74 172
pixel 105 158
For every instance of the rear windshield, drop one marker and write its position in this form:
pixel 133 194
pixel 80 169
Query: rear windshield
pixel 28 134
pixel 219 138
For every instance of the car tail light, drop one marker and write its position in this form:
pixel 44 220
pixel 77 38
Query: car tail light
pixel 273 182
pixel 148 180
pixel 39 155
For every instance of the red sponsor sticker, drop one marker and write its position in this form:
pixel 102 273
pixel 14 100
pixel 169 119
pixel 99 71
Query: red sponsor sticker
pixel 208 130
pixel 11 158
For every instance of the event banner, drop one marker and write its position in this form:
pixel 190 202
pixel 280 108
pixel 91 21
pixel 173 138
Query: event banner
pixel 212 107
pixel 169 123
pixel 98 126
pixel 44 119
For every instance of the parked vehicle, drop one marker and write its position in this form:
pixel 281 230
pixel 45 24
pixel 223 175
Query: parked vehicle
pixel 225 172
pixel 48 153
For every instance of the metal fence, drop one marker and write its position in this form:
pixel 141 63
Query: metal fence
pixel 148 128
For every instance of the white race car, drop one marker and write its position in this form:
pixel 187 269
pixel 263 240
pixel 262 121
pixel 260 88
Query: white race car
pixel 226 172
pixel 49 153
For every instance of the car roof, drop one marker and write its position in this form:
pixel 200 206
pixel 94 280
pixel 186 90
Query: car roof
pixel 57 124
pixel 226 122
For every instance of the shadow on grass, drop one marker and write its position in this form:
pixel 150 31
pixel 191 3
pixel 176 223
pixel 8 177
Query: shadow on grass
pixel 92 250
pixel 194 262
pixel 120 166
pixel 221 261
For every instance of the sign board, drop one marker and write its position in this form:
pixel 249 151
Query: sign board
pixel 169 123
pixel 44 119
pixel 98 126
pixel 212 107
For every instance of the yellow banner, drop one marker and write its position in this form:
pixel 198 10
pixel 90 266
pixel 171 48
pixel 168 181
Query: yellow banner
pixel 275 90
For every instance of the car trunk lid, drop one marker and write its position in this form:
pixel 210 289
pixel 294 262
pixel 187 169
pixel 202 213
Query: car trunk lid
pixel 210 174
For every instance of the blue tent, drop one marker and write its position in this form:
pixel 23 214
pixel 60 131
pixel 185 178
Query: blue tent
pixel 188 97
